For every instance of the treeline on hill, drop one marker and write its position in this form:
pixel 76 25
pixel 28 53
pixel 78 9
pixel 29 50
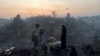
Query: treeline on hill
pixel 17 32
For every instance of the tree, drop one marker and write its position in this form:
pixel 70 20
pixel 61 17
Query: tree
pixel 17 25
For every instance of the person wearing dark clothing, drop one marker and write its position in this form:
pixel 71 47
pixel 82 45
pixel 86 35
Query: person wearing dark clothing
pixel 73 52
pixel 63 37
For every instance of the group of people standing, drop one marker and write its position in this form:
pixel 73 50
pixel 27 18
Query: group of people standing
pixel 38 38
pixel 38 35
pixel 40 41
pixel 42 46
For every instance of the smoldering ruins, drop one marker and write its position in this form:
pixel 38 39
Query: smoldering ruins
pixel 81 33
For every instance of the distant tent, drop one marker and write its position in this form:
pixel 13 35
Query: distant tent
pixel 63 37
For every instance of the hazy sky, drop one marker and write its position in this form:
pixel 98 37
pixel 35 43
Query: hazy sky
pixel 9 8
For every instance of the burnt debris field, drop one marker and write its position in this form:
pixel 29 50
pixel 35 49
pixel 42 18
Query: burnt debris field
pixel 50 36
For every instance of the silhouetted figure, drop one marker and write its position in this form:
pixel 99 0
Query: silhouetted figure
pixel 73 51
pixel 36 35
pixel 63 37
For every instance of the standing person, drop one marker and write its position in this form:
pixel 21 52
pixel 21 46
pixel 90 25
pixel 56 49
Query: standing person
pixel 43 38
pixel 63 37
